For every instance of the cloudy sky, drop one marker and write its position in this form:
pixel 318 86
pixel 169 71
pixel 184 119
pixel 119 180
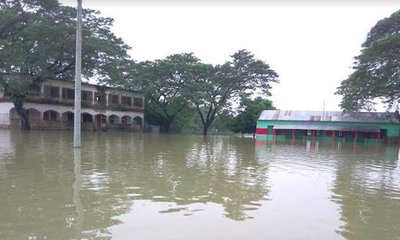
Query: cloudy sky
pixel 309 44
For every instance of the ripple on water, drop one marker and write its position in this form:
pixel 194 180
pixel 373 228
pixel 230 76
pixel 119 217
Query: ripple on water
pixel 188 187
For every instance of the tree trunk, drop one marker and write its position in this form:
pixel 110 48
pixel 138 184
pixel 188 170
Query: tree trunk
pixel 166 126
pixel 205 129
pixel 23 115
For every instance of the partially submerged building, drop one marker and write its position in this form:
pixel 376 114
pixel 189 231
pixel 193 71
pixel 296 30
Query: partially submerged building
pixel 53 108
pixel 328 125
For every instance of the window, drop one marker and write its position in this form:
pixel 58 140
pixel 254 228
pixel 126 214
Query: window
pixel 87 96
pixel 52 92
pixel 114 99
pixel 68 93
pixel 126 100
pixel 100 98
pixel 138 102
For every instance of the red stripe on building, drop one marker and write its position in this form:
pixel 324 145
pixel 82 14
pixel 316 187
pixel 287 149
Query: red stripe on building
pixel 263 131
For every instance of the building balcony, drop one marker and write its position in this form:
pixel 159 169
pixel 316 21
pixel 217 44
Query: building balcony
pixel 85 104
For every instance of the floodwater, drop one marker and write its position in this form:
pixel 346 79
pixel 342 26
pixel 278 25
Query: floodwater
pixel 136 186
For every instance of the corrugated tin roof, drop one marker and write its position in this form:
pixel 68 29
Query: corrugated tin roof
pixel 334 116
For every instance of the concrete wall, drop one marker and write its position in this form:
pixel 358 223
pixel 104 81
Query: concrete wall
pixel 5 114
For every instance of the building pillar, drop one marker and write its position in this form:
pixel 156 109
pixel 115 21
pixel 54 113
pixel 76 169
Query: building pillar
pixel 378 135
pixel 293 134
pixel 60 93
pixel 355 136
pixel 313 135
pixel 42 90
pixel 93 98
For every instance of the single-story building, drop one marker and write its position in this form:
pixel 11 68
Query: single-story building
pixel 328 125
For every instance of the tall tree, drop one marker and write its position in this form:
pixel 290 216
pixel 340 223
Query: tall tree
pixel 376 70
pixel 37 42
pixel 250 110
pixel 217 86
pixel 166 84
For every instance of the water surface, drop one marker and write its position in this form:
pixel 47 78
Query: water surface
pixel 134 186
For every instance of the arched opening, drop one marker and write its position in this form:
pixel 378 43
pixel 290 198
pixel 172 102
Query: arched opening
pixel 67 116
pixel 51 115
pixel 87 117
pixel 114 119
pixel 87 122
pixel 126 121
pixel 101 121
pixel 137 120
pixel 34 115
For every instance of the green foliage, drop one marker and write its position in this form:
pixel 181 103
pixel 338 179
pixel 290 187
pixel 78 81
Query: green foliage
pixel 37 42
pixel 179 84
pixel 217 86
pixel 246 120
pixel 224 122
pixel 19 86
pixel 186 121
pixel 376 70
pixel 40 41
pixel 167 86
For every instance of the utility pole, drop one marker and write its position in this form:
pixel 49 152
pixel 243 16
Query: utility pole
pixel 78 78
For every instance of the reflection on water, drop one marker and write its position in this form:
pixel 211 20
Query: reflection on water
pixel 367 187
pixel 123 185
pixel 76 193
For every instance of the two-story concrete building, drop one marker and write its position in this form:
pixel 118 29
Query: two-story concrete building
pixel 102 108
